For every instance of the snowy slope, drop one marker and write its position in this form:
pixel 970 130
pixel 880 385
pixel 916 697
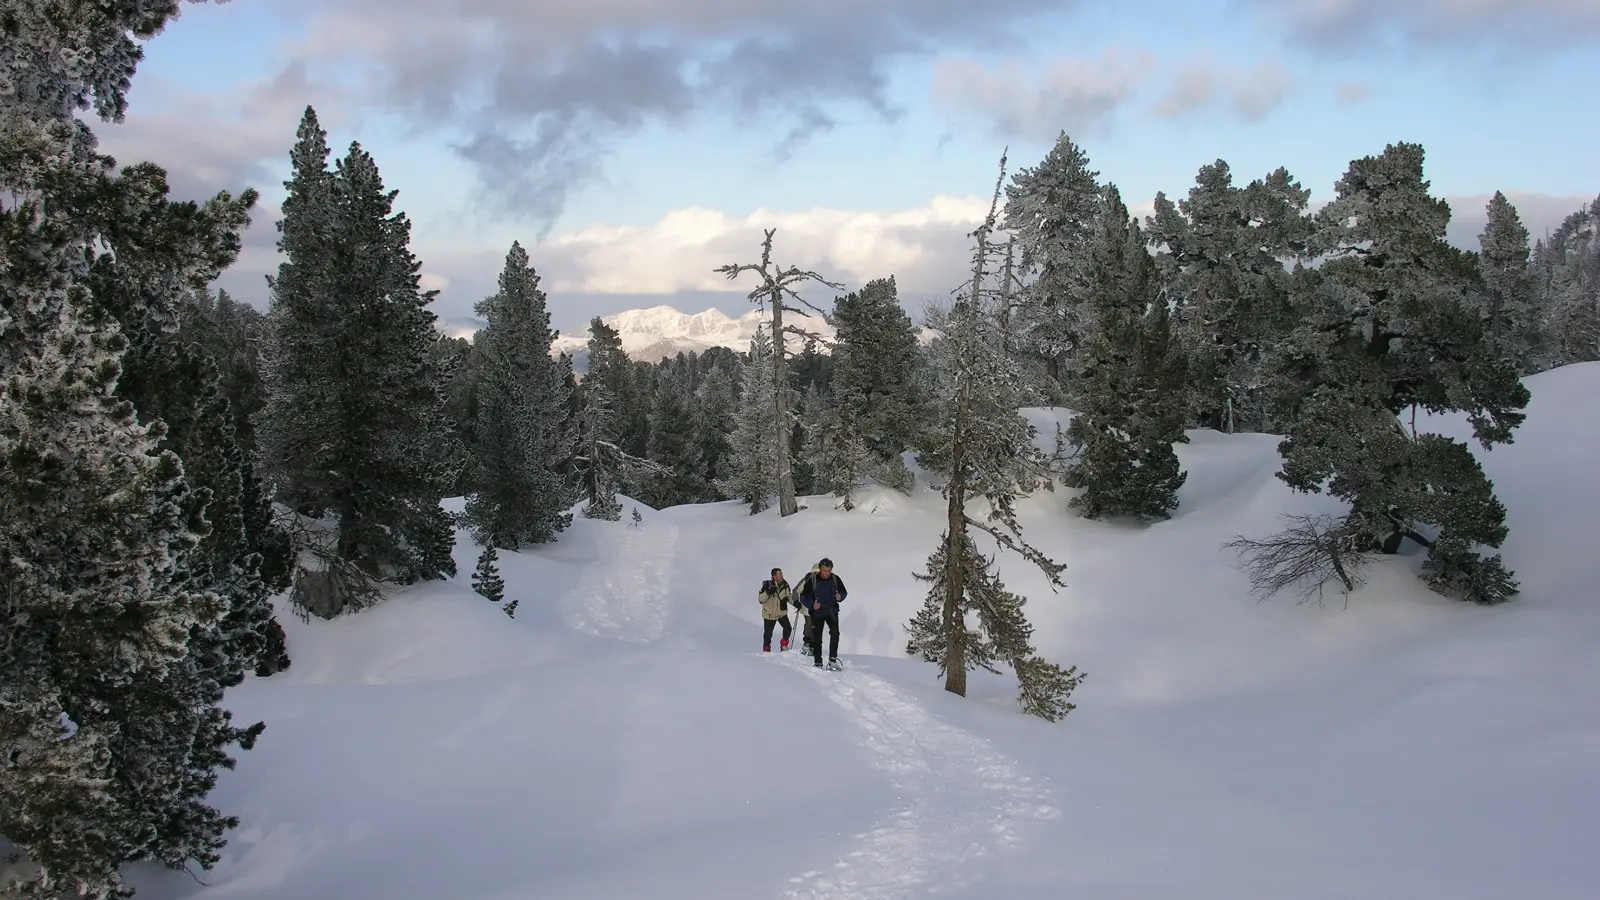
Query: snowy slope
pixel 622 738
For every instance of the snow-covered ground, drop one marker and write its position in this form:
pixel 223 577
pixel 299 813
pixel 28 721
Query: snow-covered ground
pixel 624 737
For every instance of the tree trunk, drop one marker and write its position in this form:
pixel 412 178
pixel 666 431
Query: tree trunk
pixel 955 545
pixel 780 378
pixel 1005 303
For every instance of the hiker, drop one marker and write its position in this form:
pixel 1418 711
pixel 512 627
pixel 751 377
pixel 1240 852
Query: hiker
pixel 820 594
pixel 775 597
pixel 805 625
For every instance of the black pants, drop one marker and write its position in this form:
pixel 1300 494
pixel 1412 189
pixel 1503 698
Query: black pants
pixel 766 630
pixel 818 620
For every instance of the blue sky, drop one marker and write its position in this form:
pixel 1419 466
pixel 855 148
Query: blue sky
pixel 634 145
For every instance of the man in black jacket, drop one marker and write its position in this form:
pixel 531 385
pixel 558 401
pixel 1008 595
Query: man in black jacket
pixel 821 593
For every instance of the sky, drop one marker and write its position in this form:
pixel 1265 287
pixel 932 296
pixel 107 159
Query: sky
pixel 632 146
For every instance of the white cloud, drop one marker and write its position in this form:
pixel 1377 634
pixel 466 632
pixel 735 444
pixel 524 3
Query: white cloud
pixel 1350 93
pixel 924 247
pixel 1074 94
pixel 1201 83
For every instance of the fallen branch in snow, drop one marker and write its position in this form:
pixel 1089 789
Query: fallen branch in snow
pixel 1311 552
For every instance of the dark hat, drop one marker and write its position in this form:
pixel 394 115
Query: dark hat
pixel 826 563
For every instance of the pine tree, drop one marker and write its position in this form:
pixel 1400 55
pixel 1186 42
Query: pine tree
pixel 603 465
pixel 776 290
pixel 112 727
pixel 145 281
pixel 753 475
pixel 1568 270
pixel 1222 252
pixel 675 448
pixel 518 493
pixel 984 448
pixel 876 414
pixel 1131 390
pixel 1050 210
pixel 486 577
pixel 354 426
pixel 716 400
pixel 1388 328
pixel 1510 305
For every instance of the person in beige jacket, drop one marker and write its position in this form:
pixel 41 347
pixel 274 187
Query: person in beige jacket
pixel 774 597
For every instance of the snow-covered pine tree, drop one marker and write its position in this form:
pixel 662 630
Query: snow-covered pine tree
pixel 111 726
pixel 354 426
pixel 876 413
pixel 601 464
pixel 1050 211
pixel 777 288
pixel 1510 308
pixel 675 447
pixel 716 400
pixel 1131 401
pixel 1388 328
pixel 1568 267
pixel 805 441
pixel 518 495
pixel 1221 252
pixel 984 449
pixel 753 474
pixel 154 263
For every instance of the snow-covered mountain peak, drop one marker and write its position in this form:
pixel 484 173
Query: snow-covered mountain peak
pixel 659 332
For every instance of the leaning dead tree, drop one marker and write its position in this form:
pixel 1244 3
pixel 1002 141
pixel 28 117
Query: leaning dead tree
pixel 777 289
pixel 1310 553
pixel 984 449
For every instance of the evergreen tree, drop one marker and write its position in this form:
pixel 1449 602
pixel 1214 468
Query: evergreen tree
pixel 112 727
pixel 486 577
pixel 716 400
pixel 806 442
pixel 1387 329
pixel 675 448
pixel 753 475
pixel 1222 252
pixel 1051 210
pixel 603 465
pixel 1131 392
pixel 1510 305
pixel 454 360
pixel 984 449
pixel 776 290
pixel 519 495
pixel 232 334
pixel 876 413
pixel 1568 269
pixel 354 426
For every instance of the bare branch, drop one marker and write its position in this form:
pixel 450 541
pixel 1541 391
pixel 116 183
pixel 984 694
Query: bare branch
pixel 1310 552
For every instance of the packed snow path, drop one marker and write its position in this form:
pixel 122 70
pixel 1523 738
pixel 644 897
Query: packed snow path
pixel 960 799
pixel 617 598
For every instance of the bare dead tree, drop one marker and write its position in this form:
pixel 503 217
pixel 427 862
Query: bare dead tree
pixel 777 288
pixel 1311 552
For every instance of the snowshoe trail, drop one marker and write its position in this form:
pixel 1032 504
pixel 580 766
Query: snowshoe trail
pixel 961 799
pixel 617 598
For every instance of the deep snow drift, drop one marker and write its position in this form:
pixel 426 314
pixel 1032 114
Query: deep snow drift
pixel 624 736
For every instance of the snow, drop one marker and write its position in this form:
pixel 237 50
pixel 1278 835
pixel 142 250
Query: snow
pixel 623 736
pixel 661 332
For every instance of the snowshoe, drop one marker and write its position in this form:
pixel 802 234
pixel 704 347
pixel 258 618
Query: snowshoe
pixel 783 645
pixel 835 666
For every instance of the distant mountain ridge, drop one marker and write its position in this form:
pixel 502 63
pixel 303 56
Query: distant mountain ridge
pixel 662 332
